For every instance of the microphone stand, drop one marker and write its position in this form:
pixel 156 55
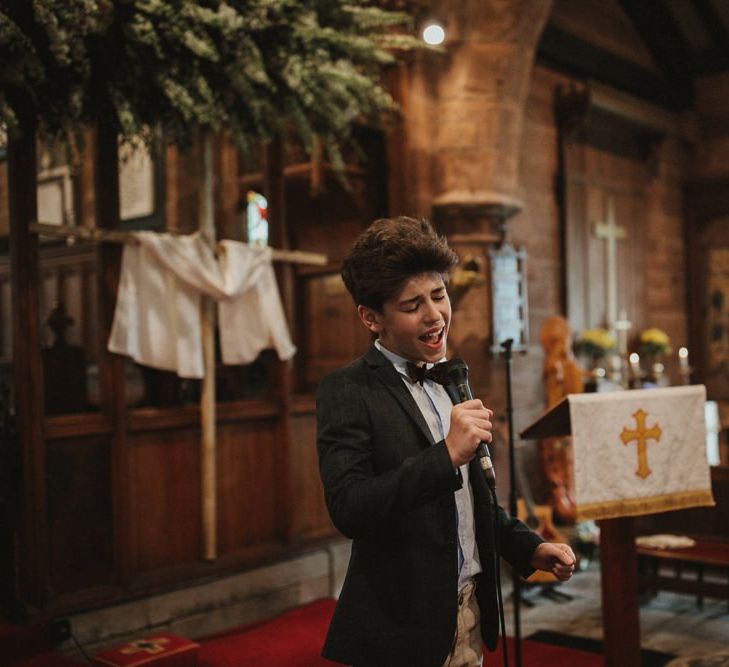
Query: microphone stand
pixel 516 579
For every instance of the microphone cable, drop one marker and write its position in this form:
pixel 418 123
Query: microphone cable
pixel 457 371
pixel 497 575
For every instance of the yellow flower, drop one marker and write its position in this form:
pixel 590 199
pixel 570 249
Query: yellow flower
pixel 655 336
pixel 594 343
pixel 600 337
pixel 655 341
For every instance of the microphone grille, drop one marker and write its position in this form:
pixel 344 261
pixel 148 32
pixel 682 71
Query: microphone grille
pixel 456 369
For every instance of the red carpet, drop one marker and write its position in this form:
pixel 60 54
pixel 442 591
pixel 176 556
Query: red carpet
pixel 537 654
pixel 295 638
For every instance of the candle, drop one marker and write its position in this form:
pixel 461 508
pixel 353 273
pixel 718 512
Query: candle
pixel 683 359
pixel 622 325
pixel 635 364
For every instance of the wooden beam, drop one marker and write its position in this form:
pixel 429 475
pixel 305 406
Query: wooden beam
pixel 27 370
pixel 560 49
pixel 301 170
pixel 717 59
pixel 97 235
pixel 275 191
pixel 112 381
pixel 654 23
pixel 208 441
pixel 619 577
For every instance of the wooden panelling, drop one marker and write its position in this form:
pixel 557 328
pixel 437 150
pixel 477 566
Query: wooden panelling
pixel 326 224
pixel 310 517
pixel 6 326
pixel 4 223
pixel 164 499
pixel 707 234
pixel 67 274
pixel 80 527
pixel 334 335
pixel 250 466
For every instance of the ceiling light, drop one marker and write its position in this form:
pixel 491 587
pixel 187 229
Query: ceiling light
pixel 433 34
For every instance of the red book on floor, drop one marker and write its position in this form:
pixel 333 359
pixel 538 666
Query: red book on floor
pixel 161 650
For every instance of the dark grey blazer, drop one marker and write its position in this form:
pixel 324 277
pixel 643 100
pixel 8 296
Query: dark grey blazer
pixel 390 488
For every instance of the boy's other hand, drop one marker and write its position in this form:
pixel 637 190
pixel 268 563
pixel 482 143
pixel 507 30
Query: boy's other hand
pixel 470 425
pixel 556 558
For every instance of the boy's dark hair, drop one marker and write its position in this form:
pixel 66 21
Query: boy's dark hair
pixel 390 252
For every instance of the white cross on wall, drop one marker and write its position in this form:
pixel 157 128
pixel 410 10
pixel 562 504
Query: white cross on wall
pixel 611 234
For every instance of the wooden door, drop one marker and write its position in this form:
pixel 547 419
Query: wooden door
pixel 604 174
pixel 599 287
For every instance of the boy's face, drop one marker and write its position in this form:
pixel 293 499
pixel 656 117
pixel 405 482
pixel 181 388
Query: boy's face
pixel 413 323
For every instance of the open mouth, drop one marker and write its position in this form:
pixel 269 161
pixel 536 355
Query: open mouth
pixel 433 338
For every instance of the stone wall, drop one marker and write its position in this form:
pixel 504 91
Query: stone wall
pixel 219 605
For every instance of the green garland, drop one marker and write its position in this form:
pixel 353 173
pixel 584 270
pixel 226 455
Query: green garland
pixel 253 66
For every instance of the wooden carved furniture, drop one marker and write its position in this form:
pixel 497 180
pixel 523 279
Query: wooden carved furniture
pixel 710 554
pixel 562 376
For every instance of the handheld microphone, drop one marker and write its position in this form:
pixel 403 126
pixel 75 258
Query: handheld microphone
pixel 457 371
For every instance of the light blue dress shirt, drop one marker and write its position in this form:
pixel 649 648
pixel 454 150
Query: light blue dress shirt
pixel 435 406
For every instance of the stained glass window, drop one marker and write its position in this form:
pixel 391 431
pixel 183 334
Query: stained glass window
pixel 256 220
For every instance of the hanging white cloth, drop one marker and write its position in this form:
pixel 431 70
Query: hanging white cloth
pixel 251 316
pixel 157 317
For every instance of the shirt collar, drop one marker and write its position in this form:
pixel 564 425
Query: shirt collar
pixel 397 361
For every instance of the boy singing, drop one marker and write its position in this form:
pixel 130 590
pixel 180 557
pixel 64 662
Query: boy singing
pixel 397 464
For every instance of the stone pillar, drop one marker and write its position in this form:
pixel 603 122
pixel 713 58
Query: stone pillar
pixel 482 86
pixel 461 145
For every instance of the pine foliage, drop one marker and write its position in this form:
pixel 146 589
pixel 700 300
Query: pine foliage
pixel 253 66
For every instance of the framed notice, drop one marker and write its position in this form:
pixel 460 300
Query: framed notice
pixel 510 309
pixel 55 185
pixel 55 196
pixel 141 186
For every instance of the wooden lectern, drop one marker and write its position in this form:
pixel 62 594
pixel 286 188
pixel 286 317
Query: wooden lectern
pixel 644 427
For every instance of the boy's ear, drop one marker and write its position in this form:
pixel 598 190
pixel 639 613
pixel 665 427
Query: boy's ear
pixel 370 318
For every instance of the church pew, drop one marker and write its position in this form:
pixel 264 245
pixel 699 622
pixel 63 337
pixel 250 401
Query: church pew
pixel 710 553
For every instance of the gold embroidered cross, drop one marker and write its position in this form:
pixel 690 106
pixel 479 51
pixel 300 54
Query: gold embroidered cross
pixel 151 646
pixel 642 435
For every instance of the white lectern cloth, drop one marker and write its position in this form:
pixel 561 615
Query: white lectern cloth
pixel 610 480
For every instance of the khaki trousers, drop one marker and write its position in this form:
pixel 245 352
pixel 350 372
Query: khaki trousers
pixel 467 649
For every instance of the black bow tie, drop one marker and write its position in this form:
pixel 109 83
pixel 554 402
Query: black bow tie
pixel 421 373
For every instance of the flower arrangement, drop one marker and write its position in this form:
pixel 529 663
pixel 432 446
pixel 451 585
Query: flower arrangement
pixel 256 67
pixel 654 342
pixel 594 343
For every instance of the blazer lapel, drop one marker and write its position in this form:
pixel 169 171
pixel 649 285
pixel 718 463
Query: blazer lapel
pixel 392 380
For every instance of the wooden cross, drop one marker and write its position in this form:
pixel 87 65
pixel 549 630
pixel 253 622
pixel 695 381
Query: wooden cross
pixel 208 404
pixel 642 435
pixel 208 447
pixel 611 234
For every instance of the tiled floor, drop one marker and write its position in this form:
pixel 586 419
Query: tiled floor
pixel 670 622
